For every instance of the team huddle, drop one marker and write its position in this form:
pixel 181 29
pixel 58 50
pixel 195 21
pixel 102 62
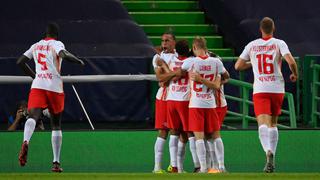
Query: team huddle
pixel 190 102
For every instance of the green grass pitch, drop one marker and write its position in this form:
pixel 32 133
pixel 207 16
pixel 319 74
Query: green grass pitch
pixel 149 176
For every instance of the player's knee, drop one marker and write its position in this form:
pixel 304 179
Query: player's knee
pixel 163 134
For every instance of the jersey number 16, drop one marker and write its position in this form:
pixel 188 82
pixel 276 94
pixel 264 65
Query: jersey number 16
pixel 263 66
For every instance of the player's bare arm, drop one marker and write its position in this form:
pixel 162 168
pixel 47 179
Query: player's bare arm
pixel 70 57
pixel 22 62
pixel 215 84
pixel 241 65
pixel 225 77
pixel 162 76
pixel 293 67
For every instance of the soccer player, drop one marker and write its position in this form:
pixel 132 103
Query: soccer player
pixel 264 56
pixel 217 154
pixel 204 73
pixel 46 90
pixel 177 108
pixel 159 62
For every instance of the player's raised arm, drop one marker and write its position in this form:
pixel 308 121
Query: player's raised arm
pixel 293 67
pixel 64 54
pixel 22 62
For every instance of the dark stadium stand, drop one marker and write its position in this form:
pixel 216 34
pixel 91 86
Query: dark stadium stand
pixel 297 22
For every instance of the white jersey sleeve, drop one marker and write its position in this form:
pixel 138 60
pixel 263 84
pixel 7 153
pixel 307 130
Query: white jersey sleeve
pixel 187 64
pixel 245 55
pixel 58 46
pixel 28 53
pixel 220 67
pixel 154 63
pixel 283 47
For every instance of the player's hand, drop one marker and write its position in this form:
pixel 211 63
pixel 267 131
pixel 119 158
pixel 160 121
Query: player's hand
pixel 293 78
pixel 194 76
pixel 19 114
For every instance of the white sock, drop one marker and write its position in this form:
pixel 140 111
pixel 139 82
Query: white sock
pixel 219 151
pixel 173 149
pixel 208 155
pixel 158 152
pixel 192 146
pixel 211 149
pixel 180 155
pixel 273 135
pixel 201 152
pixel 56 140
pixel 264 137
pixel 29 129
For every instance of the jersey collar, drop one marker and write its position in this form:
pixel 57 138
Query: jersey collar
pixel 267 38
pixel 49 38
pixel 203 57
pixel 181 58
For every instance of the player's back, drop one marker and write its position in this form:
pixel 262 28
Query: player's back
pixel 47 64
pixel 265 56
pixel 179 90
pixel 208 68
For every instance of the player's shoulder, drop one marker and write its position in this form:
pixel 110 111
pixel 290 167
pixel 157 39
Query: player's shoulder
pixel 57 42
pixel 278 41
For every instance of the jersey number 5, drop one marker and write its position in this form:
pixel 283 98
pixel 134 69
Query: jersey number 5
pixel 43 63
pixel 263 66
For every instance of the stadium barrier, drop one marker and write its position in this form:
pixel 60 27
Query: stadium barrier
pixel 315 115
pixel 245 102
pixel 243 99
pixel 133 151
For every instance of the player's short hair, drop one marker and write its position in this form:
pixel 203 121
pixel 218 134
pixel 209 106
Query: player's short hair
pixel 52 29
pixel 182 47
pixel 267 25
pixel 200 42
pixel 171 34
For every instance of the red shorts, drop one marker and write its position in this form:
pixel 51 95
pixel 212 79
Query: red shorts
pixel 268 103
pixel 221 111
pixel 39 98
pixel 161 115
pixel 203 120
pixel 177 113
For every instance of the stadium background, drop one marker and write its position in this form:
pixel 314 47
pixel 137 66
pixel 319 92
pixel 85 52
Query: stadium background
pixel 117 37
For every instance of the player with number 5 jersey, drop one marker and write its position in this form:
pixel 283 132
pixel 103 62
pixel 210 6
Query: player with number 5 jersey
pixel 46 90
pixel 265 56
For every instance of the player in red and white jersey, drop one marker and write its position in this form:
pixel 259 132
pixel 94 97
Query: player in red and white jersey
pixel 177 109
pixel 46 90
pixel 264 55
pixel 204 73
pixel 160 62
pixel 217 154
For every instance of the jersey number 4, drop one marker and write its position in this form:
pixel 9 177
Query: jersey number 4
pixel 263 66
pixel 41 62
